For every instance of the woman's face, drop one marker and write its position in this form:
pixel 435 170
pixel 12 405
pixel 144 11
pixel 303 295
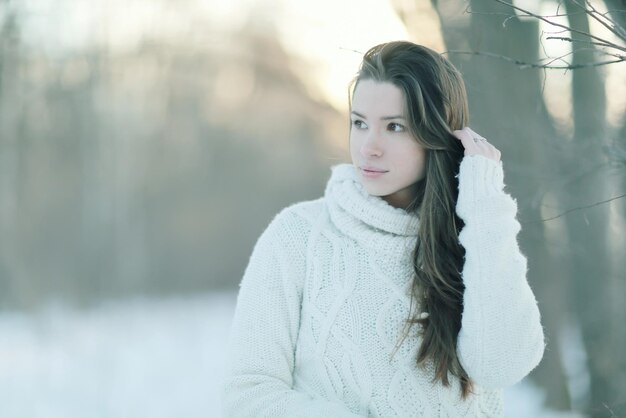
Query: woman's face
pixel 388 159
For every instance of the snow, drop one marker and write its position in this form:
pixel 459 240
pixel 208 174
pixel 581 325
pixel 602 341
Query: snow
pixel 135 358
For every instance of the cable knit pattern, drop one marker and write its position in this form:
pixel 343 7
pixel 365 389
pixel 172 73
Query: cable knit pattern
pixel 325 297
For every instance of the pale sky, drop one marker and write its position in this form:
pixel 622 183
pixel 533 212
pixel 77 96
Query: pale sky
pixel 335 34
pixel 323 32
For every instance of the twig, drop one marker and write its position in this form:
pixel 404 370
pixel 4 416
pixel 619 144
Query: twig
pixel 587 34
pixel 524 65
pixel 593 13
pixel 551 60
pixel 467 10
pixel 351 50
pixel 580 41
pixel 583 207
pixel 595 50
pixel 556 32
pixel 544 71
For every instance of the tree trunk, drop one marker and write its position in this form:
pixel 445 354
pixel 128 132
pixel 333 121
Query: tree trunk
pixel 12 290
pixel 598 290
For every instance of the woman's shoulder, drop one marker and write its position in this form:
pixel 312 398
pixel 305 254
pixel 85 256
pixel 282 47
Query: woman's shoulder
pixel 299 217
pixel 308 211
pixel 290 229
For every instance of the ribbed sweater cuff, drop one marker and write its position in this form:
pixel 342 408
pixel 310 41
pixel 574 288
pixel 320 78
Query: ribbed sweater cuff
pixel 480 177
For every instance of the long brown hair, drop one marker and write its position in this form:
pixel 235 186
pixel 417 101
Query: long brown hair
pixel 435 105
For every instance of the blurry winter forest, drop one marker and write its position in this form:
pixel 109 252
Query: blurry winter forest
pixel 149 169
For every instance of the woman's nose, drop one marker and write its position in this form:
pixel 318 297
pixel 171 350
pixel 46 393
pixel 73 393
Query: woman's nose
pixel 372 146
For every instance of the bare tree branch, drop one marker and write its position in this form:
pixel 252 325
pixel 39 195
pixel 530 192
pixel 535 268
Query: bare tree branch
pixel 524 64
pixel 561 38
pixel 552 23
pixel 581 208
pixel 593 13
pixel 588 38
pixel 508 15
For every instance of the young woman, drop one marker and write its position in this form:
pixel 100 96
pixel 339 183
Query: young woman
pixel 402 291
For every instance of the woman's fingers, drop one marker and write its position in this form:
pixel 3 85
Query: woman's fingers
pixel 475 144
pixel 466 138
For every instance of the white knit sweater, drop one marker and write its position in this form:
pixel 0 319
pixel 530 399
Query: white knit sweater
pixel 325 297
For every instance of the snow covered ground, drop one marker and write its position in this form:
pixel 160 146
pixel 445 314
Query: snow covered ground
pixel 137 358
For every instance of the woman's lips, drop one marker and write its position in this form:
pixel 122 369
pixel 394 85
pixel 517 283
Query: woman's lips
pixel 372 172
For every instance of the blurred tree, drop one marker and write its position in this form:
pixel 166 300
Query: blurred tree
pixel 598 285
pixel 151 171
pixel 9 150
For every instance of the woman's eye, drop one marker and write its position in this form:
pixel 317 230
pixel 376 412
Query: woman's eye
pixel 395 127
pixel 359 124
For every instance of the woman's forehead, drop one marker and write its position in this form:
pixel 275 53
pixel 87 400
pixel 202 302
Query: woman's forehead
pixel 378 99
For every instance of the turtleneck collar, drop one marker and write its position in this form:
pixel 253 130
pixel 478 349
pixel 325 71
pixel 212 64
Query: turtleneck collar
pixel 368 219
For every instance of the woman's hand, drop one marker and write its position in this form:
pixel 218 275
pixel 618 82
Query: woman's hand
pixel 477 145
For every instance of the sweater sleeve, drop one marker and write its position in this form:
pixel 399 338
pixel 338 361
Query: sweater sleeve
pixel 501 338
pixel 264 332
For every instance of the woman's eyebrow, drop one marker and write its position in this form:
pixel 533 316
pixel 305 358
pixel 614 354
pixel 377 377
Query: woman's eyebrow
pixel 383 118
